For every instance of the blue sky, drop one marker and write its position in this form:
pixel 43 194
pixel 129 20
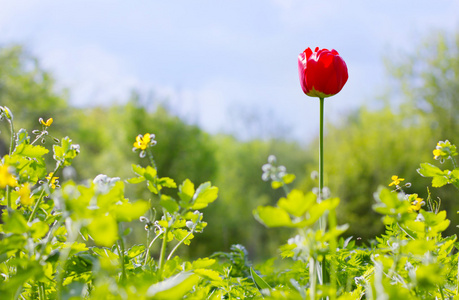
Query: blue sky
pixel 220 62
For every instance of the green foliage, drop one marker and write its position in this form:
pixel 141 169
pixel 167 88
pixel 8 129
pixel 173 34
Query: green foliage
pixel 68 240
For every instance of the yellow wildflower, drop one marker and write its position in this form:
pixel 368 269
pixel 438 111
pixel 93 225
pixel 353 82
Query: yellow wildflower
pixel 24 195
pixel 47 123
pixel 6 178
pixel 416 205
pixel 52 181
pixel 142 142
pixel 396 180
pixel 436 153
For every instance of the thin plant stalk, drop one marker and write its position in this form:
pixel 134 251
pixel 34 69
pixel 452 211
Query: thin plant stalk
pixel 8 188
pixel 179 243
pixel 321 152
pixel 40 198
pixel 312 278
pixel 121 252
pixel 163 252
pixel 321 181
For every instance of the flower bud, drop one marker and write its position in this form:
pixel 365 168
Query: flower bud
pixel 322 73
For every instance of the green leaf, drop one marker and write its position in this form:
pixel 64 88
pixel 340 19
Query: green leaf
pixel 428 170
pixel 272 216
pixel 209 274
pixel 297 203
pixel 39 229
pixel 15 223
pixel 173 288
pixel 31 150
pixel 169 204
pixel 262 285
pixel 287 250
pixel 12 242
pixel 104 230
pixel 150 174
pixel 139 170
pixel 126 212
pixel 439 181
pixel 167 182
pixel 136 180
pixel 180 234
pixel 186 190
pixel 136 250
pixel 204 195
pixel 202 263
pixel 319 209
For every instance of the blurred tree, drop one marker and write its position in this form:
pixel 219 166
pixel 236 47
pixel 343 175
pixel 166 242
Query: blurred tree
pixel 27 89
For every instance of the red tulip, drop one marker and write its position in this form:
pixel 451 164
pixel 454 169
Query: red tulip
pixel 323 73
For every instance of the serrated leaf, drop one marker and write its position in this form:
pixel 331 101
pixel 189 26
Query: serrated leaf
pixel 169 204
pixel 139 170
pixel 150 173
pixel 167 182
pixel 31 150
pixel 287 250
pixel 180 234
pixel 429 170
pixel 297 203
pixel 439 181
pixel 186 191
pixel 135 250
pixel 204 195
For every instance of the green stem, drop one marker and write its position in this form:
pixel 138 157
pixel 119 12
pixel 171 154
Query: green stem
pixel 41 291
pixel 40 199
pixel 8 188
pixel 179 243
pixel 39 136
pixel 312 278
pixel 34 211
pixel 163 252
pixel 321 149
pixel 12 136
pixel 121 252
pixel 147 255
pixel 321 182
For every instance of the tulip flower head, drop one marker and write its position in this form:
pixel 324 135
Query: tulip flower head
pixel 323 73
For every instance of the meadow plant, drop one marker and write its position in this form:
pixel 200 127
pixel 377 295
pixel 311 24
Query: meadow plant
pixel 61 239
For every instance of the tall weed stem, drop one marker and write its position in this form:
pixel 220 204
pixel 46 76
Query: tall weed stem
pixel 163 252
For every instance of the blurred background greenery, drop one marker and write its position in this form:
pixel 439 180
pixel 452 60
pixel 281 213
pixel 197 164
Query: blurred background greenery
pixel 390 135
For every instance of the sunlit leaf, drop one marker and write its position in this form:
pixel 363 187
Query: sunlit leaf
pixel 173 288
pixel 297 203
pixel 272 216
pixel 104 230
